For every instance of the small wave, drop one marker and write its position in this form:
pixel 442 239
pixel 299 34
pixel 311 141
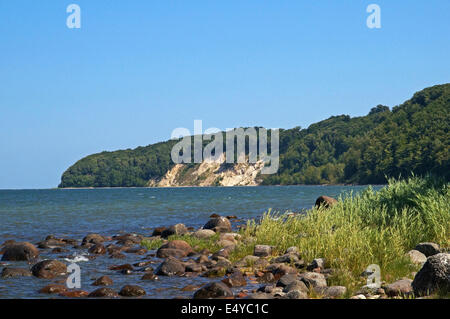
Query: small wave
pixel 77 258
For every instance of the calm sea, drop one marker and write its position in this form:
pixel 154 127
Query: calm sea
pixel 31 215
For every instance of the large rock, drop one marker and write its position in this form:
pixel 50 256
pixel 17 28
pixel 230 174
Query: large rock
pixel 97 249
pixel 175 248
pixel 213 290
pixel 262 250
pixel 103 281
pixel 93 239
pixel 170 267
pixel 316 263
pixel 399 288
pixel 53 289
pixel 313 279
pixel 236 279
pixel 295 285
pixel 219 224
pixel 416 257
pixel 178 229
pixel 325 202
pixel 428 249
pixel 103 292
pixel 434 276
pixel 24 251
pixel 286 280
pixel 49 269
pixel 15 272
pixel 132 291
pixel 204 233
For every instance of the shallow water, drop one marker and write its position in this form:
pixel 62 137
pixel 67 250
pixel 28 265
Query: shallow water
pixel 31 215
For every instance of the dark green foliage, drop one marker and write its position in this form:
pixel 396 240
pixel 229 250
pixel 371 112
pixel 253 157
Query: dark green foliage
pixel 412 138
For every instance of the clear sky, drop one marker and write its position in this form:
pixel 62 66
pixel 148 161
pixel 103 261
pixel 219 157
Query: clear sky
pixel 136 70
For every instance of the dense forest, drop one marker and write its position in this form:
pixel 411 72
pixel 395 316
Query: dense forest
pixel 412 138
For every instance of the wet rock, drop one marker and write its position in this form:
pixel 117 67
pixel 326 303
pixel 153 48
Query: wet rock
pixel 316 263
pixel 213 290
pixel 175 248
pixel 51 243
pixel 53 289
pixel 178 229
pixel 117 256
pixel 204 233
pixel 49 269
pixel 137 251
pixel 24 251
pixel 262 250
pixel 149 276
pixel 428 249
pixel 193 267
pixel 325 202
pixel 224 252
pixel 214 216
pixel 331 292
pixel 74 294
pixel 59 250
pixel 399 288
pixel 170 267
pixel 93 239
pixel 158 231
pixel 15 272
pixel 416 257
pixel 434 276
pixel 142 264
pixel 128 239
pixel 126 272
pixel 121 267
pixel 97 249
pixel 219 225
pixel 190 288
pixel 70 241
pixel 313 279
pixel 103 292
pixel 132 291
pixel 103 281
pixel 236 279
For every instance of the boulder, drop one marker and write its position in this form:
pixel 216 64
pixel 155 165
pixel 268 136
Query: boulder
pixel 434 276
pixel 15 272
pixel 416 257
pixel 49 269
pixel 178 229
pixel 103 292
pixel 93 239
pixel 132 291
pixel 97 249
pixel 428 249
pixel 281 269
pixel 313 279
pixel 235 279
pixel 103 281
pixel 149 276
pixel 53 289
pixel 262 250
pixel 219 224
pixel 175 248
pixel 325 202
pixel 316 263
pixel 158 231
pixel 213 290
pixel 296 294
pixel 24 251
pixel 170 267
pixel 286 280
pixel 74 294
pixel 204 233
pixel 399 288
pixel 121 267
pixel 295 285
pixel 286 258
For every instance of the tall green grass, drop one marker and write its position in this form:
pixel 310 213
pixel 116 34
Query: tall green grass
pixel 369 228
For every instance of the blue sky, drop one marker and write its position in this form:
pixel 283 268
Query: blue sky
pixel 138 69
